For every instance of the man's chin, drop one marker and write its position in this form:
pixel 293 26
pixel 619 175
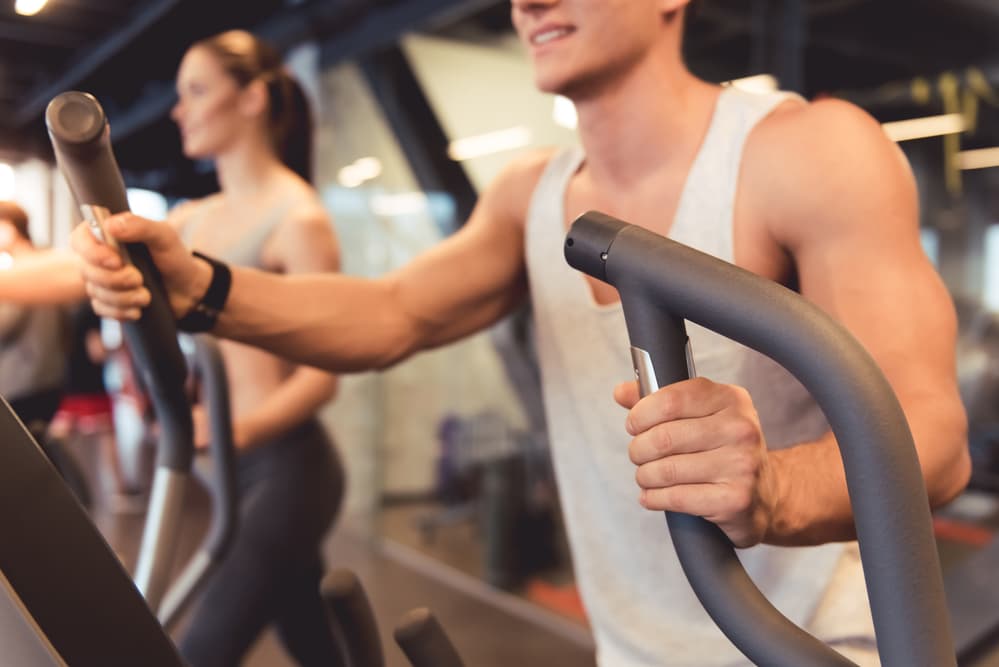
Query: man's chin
pixel 192 153
pixel 550 84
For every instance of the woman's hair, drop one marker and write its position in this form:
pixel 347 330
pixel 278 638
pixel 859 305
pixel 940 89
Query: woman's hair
pixel 15 215
pixel 247 58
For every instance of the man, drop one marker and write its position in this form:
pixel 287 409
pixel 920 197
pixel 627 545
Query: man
pixel 812 195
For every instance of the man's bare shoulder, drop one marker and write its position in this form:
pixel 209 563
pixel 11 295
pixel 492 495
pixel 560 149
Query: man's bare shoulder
pixel 814 160
pixel 509 194
pixel 815 135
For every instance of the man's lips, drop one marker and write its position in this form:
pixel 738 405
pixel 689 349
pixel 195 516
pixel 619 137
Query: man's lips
pixel 550 33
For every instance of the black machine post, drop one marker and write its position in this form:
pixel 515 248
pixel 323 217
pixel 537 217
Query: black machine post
pixel 661 281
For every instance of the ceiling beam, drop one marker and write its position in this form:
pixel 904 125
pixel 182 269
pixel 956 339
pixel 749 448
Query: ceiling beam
pixel 92 58
pixel 989 7
pixel 918 90
pixel 35 34
pixel 349 27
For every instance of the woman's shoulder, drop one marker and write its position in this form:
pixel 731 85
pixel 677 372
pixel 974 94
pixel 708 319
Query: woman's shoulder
pixel 189 209
pixel 301 204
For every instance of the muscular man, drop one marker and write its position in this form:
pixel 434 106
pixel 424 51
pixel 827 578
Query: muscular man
pixel 811 195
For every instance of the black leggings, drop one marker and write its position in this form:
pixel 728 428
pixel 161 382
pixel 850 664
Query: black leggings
pixel 291 490
pixel 37 409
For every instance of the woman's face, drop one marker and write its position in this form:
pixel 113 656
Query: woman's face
pixel 208 106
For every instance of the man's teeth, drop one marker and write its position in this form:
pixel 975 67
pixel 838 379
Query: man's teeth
pixel 549 35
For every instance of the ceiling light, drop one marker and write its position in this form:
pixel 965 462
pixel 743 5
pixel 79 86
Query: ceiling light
pixel 29 7
pixel 7 181
pixel 489 143
pixel 981 158
pixel 930 126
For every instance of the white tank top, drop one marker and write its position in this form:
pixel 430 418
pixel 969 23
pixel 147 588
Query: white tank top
pixel 640 606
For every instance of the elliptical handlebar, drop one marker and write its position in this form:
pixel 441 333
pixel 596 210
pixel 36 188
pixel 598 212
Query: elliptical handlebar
pixel 208 368
pixel 81 139
pixel 661 281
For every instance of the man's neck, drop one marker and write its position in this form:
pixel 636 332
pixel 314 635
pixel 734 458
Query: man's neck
pixel 641 123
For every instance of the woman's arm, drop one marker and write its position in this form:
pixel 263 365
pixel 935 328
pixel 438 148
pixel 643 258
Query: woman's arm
pixel 304 243
pixel 43 278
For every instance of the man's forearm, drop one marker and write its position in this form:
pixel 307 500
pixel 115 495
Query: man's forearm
pixel 813 505
pixel 331 321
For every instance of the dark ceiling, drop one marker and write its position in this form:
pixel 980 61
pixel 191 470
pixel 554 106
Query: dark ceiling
pixel 126 53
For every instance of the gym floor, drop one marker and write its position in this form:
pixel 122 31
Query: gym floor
pixel 401 569
pixel 480 621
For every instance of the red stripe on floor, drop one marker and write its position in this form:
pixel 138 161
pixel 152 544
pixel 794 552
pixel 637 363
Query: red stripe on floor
pixel 562 599
pixel 959 531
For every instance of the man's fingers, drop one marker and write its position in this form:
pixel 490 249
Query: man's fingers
pixel 93 252
pixel 685 436
pixel 705 500
pixel 700 468
pixel 130 228
pixel 697 397
pixel 159 237
pixel 109 300
pixel 722 504
pixel 102 310
pixel 626 394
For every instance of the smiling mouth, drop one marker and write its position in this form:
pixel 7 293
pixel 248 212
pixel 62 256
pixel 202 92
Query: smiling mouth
pixel 547 36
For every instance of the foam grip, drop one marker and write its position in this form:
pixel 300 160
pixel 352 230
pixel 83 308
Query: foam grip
pixel 350 609
pixel 424 641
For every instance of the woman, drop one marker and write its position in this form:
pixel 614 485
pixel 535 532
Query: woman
pixel 238 107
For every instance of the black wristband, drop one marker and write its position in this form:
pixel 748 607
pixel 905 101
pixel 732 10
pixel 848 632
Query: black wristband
pixel 205 313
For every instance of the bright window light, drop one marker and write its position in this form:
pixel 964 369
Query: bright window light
pixel 147 203
pixel 29 7
pixel 982 158
pixel 930 239
pixel 930 126
pixel 990 294
pixel 399 204
pixel 564 113
pixel 489 143
pixel 759 83
pixel 359 171
pixel 7 181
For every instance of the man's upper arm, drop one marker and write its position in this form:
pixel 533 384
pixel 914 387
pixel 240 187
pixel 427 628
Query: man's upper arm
pixel 476 275
pixel 846 211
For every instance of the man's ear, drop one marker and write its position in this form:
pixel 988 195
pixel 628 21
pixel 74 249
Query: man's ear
pixel 667 6
pixel 671 8
pixel 253 99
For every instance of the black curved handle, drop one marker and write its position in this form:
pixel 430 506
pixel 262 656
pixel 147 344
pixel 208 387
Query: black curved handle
pixel 80 136
pixel 424 641
pixel 350 609
pixel 884 479
pixel 210 370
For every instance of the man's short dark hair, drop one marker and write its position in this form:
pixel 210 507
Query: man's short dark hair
pixel 15 215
